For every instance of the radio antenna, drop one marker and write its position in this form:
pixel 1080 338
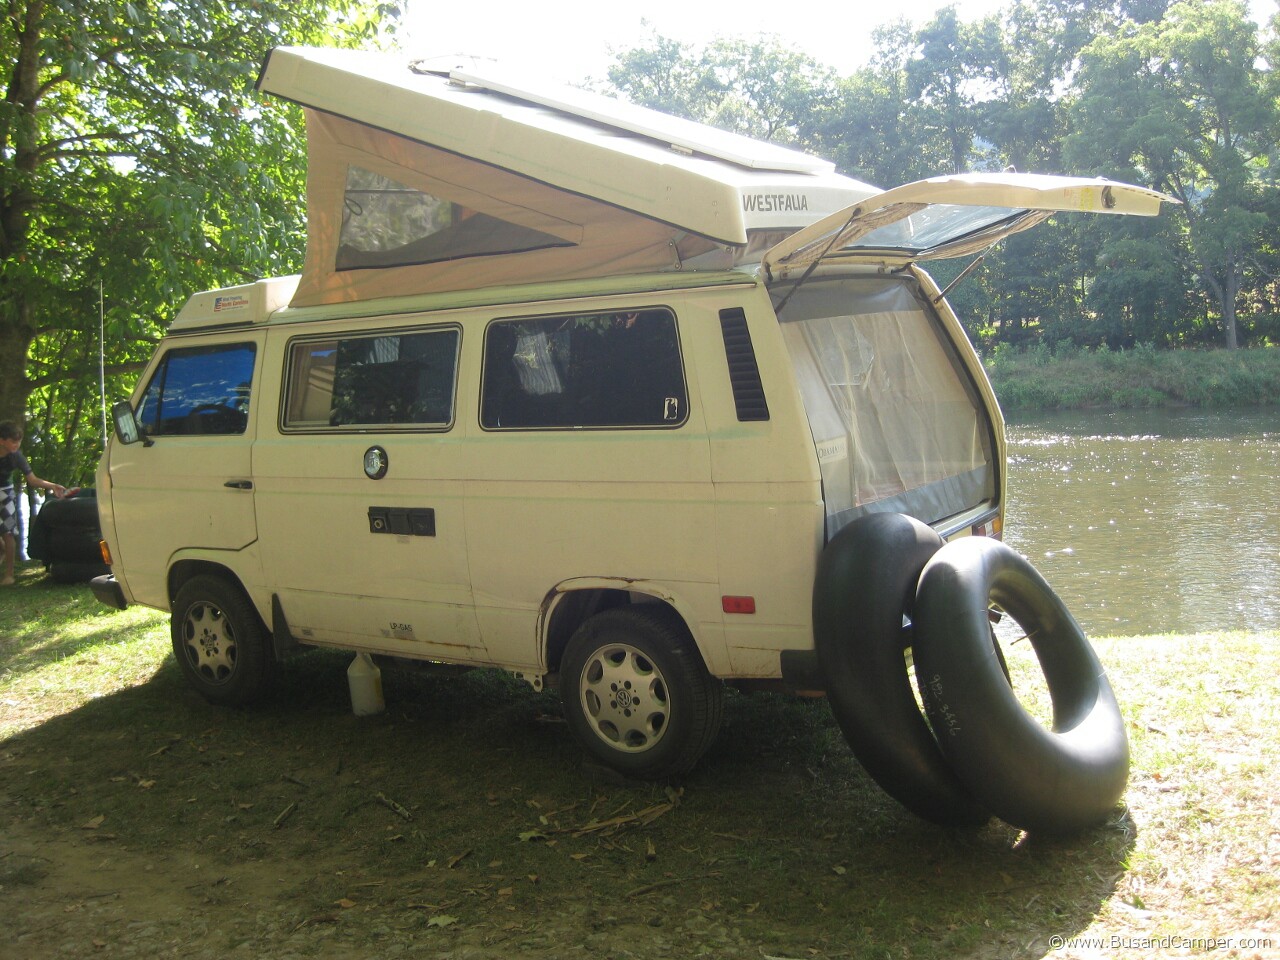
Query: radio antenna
pixel 102 359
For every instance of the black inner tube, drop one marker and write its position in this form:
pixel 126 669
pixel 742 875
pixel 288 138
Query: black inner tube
pixel 865 584
pixel 1055 780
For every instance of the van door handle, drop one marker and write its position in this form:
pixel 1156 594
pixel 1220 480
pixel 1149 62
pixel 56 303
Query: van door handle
pixel 239 484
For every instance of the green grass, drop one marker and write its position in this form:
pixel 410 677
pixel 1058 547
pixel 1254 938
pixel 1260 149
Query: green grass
pixel 59 647
pixel 776 845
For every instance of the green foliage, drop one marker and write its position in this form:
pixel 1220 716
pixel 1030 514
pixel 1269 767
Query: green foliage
pixel 949 73
pixel 1066 377
pixel 136 159
pixel 1182 102
pixel 759 88
pixel 1174 96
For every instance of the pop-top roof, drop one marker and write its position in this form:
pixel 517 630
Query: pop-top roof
pixel 431 178
pixel 705 181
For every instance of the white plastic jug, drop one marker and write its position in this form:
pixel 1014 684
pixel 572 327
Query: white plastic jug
pixel 365 680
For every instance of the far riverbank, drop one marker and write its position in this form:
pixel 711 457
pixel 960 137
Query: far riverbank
pixel 1067 378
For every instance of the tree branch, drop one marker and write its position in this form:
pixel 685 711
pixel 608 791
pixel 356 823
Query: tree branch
pixel 55 155
pixel 54 145
pixel 35 383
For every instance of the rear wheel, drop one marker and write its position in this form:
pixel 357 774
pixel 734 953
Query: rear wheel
pixel 637 695
pixel 219 641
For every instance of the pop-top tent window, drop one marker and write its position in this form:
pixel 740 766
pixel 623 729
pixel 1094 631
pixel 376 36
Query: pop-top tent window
pixel 388 216
pixel 388 224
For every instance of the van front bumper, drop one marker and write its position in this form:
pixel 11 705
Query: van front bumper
pixel 108 591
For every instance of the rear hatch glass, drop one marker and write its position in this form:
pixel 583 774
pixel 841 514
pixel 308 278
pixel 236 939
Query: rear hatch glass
pixel 898 424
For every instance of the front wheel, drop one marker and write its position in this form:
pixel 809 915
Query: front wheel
pixel 637 695
pixel 219 641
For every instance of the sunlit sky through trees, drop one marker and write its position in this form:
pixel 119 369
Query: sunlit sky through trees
pixel 572 39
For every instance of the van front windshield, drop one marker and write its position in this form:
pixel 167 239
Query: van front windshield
pixel 897 423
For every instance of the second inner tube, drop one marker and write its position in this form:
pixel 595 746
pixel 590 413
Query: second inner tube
pixel 1055 780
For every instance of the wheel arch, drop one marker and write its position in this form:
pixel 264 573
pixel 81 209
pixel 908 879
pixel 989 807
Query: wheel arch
pixel 636 693
pixel 184 569
pixel 572 602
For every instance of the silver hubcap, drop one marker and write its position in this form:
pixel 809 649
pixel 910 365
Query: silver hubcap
pixel 211 645
pixel 624 697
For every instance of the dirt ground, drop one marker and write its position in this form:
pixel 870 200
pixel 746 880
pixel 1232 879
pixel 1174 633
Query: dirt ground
pixel 148 824
pixel 86 891
pixel 81 895
pixel 464 823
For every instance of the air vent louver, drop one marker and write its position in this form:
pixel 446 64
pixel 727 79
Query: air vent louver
pixel 744 374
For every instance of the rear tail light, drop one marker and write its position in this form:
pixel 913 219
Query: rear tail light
pixel 993 528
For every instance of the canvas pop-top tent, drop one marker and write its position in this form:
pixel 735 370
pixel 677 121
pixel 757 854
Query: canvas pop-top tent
pixel 423 179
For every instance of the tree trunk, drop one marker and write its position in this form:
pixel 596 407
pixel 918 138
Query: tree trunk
pixel 1229 322
pixel 1225 294
pixel 16 334
pixel 18 143
pixel 1231 289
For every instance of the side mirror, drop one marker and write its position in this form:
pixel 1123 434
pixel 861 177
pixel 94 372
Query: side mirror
pixel 128 430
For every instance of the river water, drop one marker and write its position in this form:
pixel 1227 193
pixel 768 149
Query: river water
pixel 1151 522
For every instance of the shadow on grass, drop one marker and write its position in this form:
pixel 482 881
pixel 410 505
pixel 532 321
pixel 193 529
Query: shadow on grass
pixel 468 795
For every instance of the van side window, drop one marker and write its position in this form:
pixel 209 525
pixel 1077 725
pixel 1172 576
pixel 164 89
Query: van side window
pixel 399 379
pixel 598 370
pixel 199 391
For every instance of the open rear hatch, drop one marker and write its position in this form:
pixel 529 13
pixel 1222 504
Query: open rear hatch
pixel 952 217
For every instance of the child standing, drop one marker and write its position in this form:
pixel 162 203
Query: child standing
pixel 11 459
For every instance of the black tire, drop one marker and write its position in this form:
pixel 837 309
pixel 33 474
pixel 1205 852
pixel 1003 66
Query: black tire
pixel 865 584
pixel 636 693
pixel 78 511
pixel 72 544
pixel 38 540
pixel 61 571
pixel 1054 781
pixel 66 531
pixel 221 645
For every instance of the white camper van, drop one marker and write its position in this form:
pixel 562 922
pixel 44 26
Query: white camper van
pixel 597 396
